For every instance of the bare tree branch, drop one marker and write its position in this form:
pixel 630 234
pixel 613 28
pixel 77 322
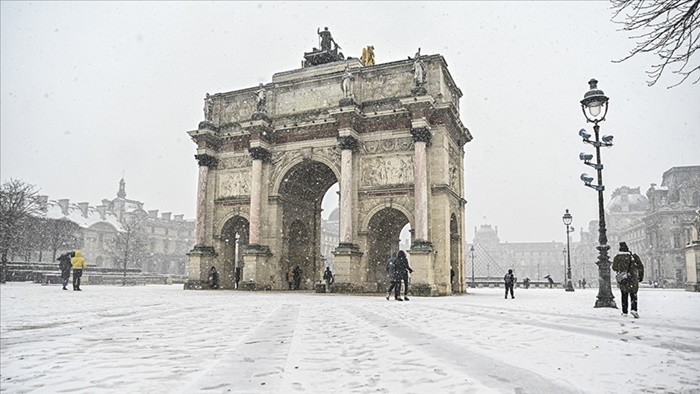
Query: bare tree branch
pixel 666 28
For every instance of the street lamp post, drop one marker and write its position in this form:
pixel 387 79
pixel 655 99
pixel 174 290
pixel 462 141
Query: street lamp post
pixel 595 106
pixel 471 251
pixel 567 218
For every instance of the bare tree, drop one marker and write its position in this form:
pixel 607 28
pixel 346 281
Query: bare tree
pixel 60 234
pixel 18 203
pixel 129 246
pixel 667 28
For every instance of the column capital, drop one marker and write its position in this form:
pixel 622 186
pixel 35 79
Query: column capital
pixel 421 134
pixel 207 160
pixel 347 142
pixel 259 153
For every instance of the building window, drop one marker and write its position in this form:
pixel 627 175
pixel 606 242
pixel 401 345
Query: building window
pixel 676 240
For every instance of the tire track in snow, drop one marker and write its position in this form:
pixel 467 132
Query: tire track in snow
pixel 495 374
pixel 515 317
pixel 257 362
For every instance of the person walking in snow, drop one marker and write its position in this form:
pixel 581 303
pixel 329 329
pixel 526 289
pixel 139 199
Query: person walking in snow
pixel 213 278
pixel 236 277
pixel 402 271
pixel 290 278
pixel 583 283
pixel 510 283
pixel 79 265
pixel 551 281
pixel 626 261
pixel 328 277
pixel 64 264
pixel 297 278
pixel 392 277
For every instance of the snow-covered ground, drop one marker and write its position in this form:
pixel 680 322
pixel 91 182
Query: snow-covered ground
pixel 162 339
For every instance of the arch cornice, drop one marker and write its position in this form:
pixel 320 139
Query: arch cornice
pixel 382 205
pixel 219 226
pixel 299 157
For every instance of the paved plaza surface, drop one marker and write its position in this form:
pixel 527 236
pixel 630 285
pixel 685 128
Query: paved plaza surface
pixel 162 339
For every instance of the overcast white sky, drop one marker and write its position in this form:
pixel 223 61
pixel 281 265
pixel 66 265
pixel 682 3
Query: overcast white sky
pixel 94 90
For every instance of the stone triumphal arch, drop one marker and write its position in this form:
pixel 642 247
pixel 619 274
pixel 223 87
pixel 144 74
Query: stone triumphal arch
pixel 391 137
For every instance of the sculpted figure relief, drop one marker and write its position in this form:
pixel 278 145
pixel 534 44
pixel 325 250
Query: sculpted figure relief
pixel 347 83
pixel 260 99
pixel 368 56
pixel 326 39
pixel 235 184
pixel 418 70
pixel 384 171
pixel 208 107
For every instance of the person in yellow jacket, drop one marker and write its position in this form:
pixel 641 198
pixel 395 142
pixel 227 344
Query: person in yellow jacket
pixel 78 265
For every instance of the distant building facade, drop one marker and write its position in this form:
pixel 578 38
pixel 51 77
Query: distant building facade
pixel 533 260
pixel 692 256
pixel 330 237
pixel 658 226
pixel 168 237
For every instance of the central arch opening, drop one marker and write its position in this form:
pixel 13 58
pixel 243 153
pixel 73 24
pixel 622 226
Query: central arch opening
pixel 389 231
pixel 234 235
pixel 301 196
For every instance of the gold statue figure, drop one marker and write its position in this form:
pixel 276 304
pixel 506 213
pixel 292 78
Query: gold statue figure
pixel 368 56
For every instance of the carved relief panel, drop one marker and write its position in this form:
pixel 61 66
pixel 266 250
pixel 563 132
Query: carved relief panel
pixel 234 183
pixel 388 145
pixel 387 170
pixel 238 161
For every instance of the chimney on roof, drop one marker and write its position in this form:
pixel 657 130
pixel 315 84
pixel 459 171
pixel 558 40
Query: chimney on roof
pixel 153 214
pixel 178 218
pixel 63 203
pixel 166 215
pixel 102 209
pixel 83 208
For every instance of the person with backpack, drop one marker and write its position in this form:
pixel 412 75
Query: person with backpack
pixel 328 277
pixel 509 278
pixel 629 263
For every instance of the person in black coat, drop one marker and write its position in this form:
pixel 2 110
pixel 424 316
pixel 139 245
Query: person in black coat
pixel 65 266
pixel 213 278
pixel 297 277
pixel 328 277
pixel 392 277
pixel 629 262
pixel 236 277
pixel 509 279
pixel 402 271
pixel 551 281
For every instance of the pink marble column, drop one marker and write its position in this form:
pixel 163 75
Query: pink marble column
pixel 347 144
pixel 205 161
pixel 421 138
pixel 258 155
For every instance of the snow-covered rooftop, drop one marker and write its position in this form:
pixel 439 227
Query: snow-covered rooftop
pixel 75 213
